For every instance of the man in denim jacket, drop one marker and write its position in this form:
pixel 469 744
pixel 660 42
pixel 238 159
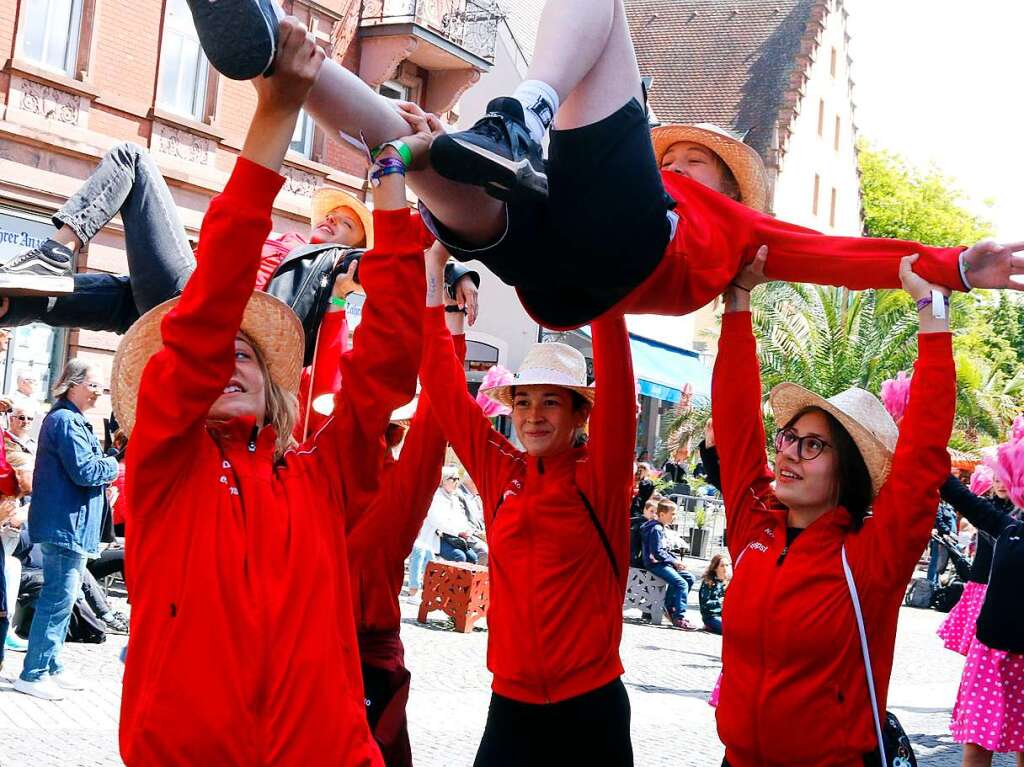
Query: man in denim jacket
pixel 71 476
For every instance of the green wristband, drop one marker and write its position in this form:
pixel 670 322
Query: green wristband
pixel 400 146
pixel 338 301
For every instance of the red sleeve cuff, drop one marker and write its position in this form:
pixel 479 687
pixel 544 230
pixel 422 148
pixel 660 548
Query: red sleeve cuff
pixel 395 231
pixel 253 185
pixel 433 320
pixel 737 322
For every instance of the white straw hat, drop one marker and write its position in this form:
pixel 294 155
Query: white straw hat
pixel 554 364
pixel 861 414
pixel 269 322
pixel 742 159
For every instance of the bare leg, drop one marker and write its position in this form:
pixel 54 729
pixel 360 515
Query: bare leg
pixel 976 756
pixel 600 74
pixel 67 237
pixel 341 102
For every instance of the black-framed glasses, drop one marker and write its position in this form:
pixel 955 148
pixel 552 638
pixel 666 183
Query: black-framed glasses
pixel 807 448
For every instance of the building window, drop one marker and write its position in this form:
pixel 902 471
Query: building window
pixel 51 34
pixel 302 138
pixel 821 117
pixel 834 64
pixel 832 209
pixel 394 90
pixel 817 191
pixel 839 128
pixel 184 71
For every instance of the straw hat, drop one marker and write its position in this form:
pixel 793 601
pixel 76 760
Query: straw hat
pixel 551 363
pixel 743 160
pixel 327 198
pixel 273 327
pixel 860 413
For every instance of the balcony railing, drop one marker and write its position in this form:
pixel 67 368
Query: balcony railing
pixel 469 24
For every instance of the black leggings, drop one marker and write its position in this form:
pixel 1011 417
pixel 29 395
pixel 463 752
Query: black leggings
pixel 592 728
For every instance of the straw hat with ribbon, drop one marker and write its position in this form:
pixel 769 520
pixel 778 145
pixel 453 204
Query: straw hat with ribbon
pixel 552 364
pixel 327 198
pixel 860 413
pixel 742 159
pixel 268 322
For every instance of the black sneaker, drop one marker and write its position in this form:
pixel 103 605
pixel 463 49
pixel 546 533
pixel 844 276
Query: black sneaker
pixel 41 271
pixel 239 37
pixel 497 153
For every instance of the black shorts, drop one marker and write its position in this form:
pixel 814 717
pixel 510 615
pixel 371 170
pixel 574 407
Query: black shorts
pixel 602 231
pixel 591 729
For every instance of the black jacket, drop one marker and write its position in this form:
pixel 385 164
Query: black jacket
pixel 1001 621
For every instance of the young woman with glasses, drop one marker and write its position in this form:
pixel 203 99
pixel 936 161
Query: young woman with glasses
pixel 794 688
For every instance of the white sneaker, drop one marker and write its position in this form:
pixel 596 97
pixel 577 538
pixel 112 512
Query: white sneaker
pixel 44 688
pixel 68 681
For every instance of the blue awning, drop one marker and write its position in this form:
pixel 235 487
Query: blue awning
pixel 662 370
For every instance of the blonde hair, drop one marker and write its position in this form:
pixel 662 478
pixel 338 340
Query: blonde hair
pixel 665 506
pixel 282 407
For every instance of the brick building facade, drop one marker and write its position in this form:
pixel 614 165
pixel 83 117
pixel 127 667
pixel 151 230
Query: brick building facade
pixel 79 76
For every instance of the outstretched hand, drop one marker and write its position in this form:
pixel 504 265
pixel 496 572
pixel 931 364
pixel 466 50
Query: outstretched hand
pixel 914 284
pixel 425 128
pixel 989 264
pixel 296 67
pixel 467 296
pixel 737 295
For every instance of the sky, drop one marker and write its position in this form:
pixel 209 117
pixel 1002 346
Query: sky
pixel 940 82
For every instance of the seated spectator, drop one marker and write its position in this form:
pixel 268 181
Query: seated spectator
pixel 469 499
pixel 712 592
pixel 644 489
pixel 636 549
pixel 453 529
pixel 18 434
pixel 665 565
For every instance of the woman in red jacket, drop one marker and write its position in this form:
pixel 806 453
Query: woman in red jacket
pixel 237 552
pixel 558 538
pixel 794 688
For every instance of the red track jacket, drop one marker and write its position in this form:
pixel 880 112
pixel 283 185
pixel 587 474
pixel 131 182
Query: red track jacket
pixel 794 692
pixel 717 236
pixel 542 543
pixel 238 568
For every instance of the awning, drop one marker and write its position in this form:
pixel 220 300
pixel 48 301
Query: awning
pixel 663 370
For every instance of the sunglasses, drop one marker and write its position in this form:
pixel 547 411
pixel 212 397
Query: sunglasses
pixel 807 448
pixel 25 417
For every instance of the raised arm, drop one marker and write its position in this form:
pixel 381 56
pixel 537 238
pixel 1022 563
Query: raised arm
pixel 904 511
pixel 978 511
pixel 185 378
pixel 485 453
pixel 609 475
pixel 737 416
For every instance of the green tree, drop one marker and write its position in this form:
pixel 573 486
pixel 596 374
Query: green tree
pixel 908 203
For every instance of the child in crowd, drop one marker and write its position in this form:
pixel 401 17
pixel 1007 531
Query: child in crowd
pixel 665 565
pixel 712 592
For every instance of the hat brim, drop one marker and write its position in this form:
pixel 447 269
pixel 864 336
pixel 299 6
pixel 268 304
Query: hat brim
pixel 788 399
pixel 742 159
pixel 503 394
pixel 326 199
pixel 271 325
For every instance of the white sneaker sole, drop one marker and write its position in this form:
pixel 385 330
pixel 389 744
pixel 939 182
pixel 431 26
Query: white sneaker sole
pixel 26 688
pixel 35 285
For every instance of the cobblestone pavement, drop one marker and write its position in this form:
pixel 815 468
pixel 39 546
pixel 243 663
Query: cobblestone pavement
pixel 669 675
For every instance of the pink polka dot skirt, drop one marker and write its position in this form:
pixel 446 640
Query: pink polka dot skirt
pixel 957 631
pixel 989 709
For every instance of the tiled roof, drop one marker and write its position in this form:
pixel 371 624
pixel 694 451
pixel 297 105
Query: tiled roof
pixel 737 63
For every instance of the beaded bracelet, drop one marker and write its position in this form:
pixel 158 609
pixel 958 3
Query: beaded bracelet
pixel 385 166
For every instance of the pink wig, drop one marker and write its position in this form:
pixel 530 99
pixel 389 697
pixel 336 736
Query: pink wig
pixel 981 479
pixel 1009 468
pixel 896 395
pixel 1017 430
pixel 496 376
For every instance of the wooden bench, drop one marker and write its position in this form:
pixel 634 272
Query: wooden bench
pixel 646 593
pixel 461 590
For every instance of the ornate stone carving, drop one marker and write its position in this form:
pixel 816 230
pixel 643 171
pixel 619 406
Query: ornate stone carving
pixel 344 31
pixel 181 145
pixel 47 102
pixel 299 182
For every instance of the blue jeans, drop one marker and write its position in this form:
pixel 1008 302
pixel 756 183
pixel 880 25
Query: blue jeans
pixel 453 554
pixel 679 584
pixel 713 623
pixel 417 565
pixel 160 260
pixel 62 580
pixel 938 558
